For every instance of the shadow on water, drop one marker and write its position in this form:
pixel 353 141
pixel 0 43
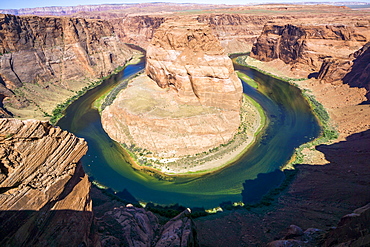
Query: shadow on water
pixel 254 189
pixel 291 124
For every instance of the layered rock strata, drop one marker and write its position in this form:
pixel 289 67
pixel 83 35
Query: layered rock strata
pixel 354 71
pixel 44 193
pixel 190 59
pixel 189 101
pixel 305 46
pixel 45 60
pixel 331 53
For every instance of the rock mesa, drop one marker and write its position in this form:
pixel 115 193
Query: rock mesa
pixel 189 101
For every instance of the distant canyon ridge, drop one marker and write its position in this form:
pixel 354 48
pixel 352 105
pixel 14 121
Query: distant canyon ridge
pixel 47 54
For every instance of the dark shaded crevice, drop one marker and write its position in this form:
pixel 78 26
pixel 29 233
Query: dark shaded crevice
pixel 136 47
pixel 5 189
pixel 11 63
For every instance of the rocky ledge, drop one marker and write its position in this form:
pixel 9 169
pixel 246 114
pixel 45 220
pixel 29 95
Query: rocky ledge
pixel 132 226
pixel 44 193
pixel 189 100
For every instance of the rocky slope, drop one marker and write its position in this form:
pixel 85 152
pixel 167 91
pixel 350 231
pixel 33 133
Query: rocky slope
pixel 137 29
pixel 44 196
pixel 305 46
pixel 352 230
pixel 354 71
pixel 131 226
pixel 237 32
pixel 190 104
pixel 187 57
pixel 331 53
pixel 45 60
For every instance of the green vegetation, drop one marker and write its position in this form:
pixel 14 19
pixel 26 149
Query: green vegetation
pixel 9 135
pixel 111 96
pixel 248 127
pixel 328 132
pixel 241 60
pixel 247 79
pixel 58 112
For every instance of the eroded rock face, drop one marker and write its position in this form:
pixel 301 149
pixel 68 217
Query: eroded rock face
pixel 189 58
pixel 43 58
pixel 304 46
pixel 192 101
pixel 354 70
pixel 44 193
pixel 352 230
pixel 131 226
pixel 331 53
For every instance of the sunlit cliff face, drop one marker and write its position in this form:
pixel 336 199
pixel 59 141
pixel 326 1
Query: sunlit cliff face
pixel 191 93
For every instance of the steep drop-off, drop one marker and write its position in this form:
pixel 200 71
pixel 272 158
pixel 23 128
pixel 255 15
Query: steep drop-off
pixel 331 53
pixel 190 104
pixel 354 71
pixel 304 46
pixel 45 60
pixel 44 193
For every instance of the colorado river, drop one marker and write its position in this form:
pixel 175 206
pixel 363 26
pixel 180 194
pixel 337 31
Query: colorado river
pixel 291 124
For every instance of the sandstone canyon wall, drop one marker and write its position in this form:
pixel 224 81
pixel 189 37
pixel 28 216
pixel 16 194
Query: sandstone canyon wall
pixel 354 70
pixel 44 193
pixel 190 59
pixel 191 104
pixel 331 53
pixel 307 45
pixel 45 60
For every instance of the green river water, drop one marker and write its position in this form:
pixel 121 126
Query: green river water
pixel 291 123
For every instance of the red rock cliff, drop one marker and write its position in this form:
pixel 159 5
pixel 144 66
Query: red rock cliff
pixel 306 45
pixel 44 193
pixel 191 105
pixel 190 59
pixel 43 59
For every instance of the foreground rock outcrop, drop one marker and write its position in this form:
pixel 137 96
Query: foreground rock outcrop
pixel 131 226
pixel 352 230
pixel 44 193
pixel 188 103
pixel 45 60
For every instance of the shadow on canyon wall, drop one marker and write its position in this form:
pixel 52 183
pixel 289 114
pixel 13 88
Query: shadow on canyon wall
pixel 318 197
pixel 45 228
pixel 347 177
